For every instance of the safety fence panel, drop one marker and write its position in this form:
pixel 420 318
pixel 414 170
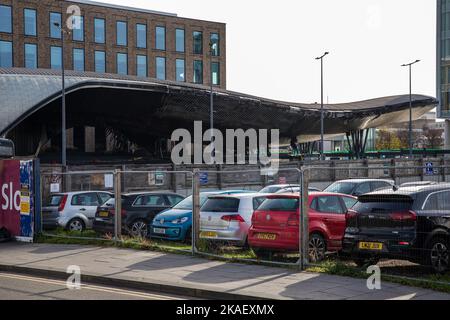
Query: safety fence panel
pixel 249 215
pixel 393 218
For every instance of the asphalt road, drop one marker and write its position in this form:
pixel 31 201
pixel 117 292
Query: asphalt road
pixel 23 287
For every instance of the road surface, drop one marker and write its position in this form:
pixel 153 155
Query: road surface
pixel 24 287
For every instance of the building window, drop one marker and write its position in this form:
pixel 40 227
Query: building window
pixel 55 58
pixel 160 38
pixel 198 42
pixel 5 19
pixel 30 56
pixel 121 27
pixel 141 36
pixel 215 44
pixel 78 59
pixel 78 33
pixel 100 61
pixel 30 22
pixel 179 40
pixel 55 18
pixel 99 30
pixel 215 73
pixel 122 63
pixel 180 70
pixel 160 68
pixel 6 54
pixel 141 66
pixel 198 71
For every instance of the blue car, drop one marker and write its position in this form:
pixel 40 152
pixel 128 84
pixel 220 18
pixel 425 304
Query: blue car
pixel 175 224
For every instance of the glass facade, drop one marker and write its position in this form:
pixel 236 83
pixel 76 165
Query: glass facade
pixel 197 38
pixel 215 44
pixel 6 54
pixel 141 66
pixel 121 27
pixel 30 22
pixel 100 61
pixel 443 63
pixel 160 68
pixel 55 18
pixel 180 70
pixel 141 36
pixel 215 73
pixel 99 30
pixel 160 34
pixel 5 19
pixel 78 31
pixel 122 63
pixel 31 56
pixel 78 59
pixel 198 71
pixel 179 40
pixel 55 58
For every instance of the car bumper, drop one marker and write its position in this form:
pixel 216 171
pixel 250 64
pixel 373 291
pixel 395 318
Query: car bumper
pixel 50 223
pixel 284 242
pixel 236 235
pixel 171 232
pixel 103 226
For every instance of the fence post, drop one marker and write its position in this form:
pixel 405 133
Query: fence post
pixel 443 169
pixel 219 176
pixel 304 217
pixel 118 205
pixel 173 178
pixel 196 210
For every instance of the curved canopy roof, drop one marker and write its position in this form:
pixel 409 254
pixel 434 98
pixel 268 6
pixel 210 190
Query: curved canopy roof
pixel 162 106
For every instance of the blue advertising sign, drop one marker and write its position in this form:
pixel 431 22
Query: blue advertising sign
pixel 203 178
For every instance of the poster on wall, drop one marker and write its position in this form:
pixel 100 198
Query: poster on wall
pixel 17 198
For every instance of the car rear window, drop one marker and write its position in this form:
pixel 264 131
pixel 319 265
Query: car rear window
pixel 383 205
pixel 279 204
pixel 221 205
pixel 55 200
pixel 257 202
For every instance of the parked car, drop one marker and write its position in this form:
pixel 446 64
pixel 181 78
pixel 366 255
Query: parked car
pixel 282 188
pixel 412 223
pixel 418 183
pixel 176 223
pixel 227 218
pixel 73 211
pixel 138 212
pixel 275 225
pixel 357 187
pixel 297 189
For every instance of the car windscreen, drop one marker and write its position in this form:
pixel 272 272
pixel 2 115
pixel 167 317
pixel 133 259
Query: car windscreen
pixel 186 204
pixel 270 189
pixel 221 205
pixel 341 187
pixel 55 200
pixel 112 202
pixel 279 204
pixel 383 205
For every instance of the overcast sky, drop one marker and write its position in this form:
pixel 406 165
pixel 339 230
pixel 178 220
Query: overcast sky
pixel 271 45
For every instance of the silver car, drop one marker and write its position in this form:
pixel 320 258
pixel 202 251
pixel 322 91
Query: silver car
pixel 73 211
pixel 228 217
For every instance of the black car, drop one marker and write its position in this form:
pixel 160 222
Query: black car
pixel 357 187
pixel 411 223
pixel 138 211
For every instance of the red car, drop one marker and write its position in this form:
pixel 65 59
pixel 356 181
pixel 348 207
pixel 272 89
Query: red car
pixel 275 224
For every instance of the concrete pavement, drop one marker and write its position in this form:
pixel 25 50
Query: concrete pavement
pixel 194 276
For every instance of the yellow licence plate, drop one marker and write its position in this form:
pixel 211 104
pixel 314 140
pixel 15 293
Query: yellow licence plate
pixel 370 246
pixel 208 234
pixel 266 236
pixel 104 214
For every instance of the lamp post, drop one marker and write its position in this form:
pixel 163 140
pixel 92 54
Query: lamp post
pixel 63 97
pixel 321 106
pixel 409 65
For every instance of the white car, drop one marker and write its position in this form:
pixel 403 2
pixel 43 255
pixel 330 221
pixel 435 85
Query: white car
pixel 228 217
pixel 74 211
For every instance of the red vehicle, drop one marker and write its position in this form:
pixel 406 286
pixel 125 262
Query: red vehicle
pixel 275 224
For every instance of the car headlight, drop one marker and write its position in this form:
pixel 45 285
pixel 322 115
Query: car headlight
pixel 180 220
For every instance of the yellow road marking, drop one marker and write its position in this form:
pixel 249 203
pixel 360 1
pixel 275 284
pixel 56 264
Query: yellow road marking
pixel 91 287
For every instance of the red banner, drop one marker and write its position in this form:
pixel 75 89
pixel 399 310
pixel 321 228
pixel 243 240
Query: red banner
pixel 10 196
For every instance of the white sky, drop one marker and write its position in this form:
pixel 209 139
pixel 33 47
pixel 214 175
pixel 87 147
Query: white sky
pixel 271 45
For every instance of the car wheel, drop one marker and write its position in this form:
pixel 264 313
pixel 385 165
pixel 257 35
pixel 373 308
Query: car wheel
pixel 365 261
pixel 262 254
pixel 317 248
pixel 438 255
pixel 139 228
pixel 76 225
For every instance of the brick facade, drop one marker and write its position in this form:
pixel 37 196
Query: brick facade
pixel 112 14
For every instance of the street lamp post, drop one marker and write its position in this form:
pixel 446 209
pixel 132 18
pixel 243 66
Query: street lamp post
pixel 63 97
pixel 409 65
pixel 321 106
